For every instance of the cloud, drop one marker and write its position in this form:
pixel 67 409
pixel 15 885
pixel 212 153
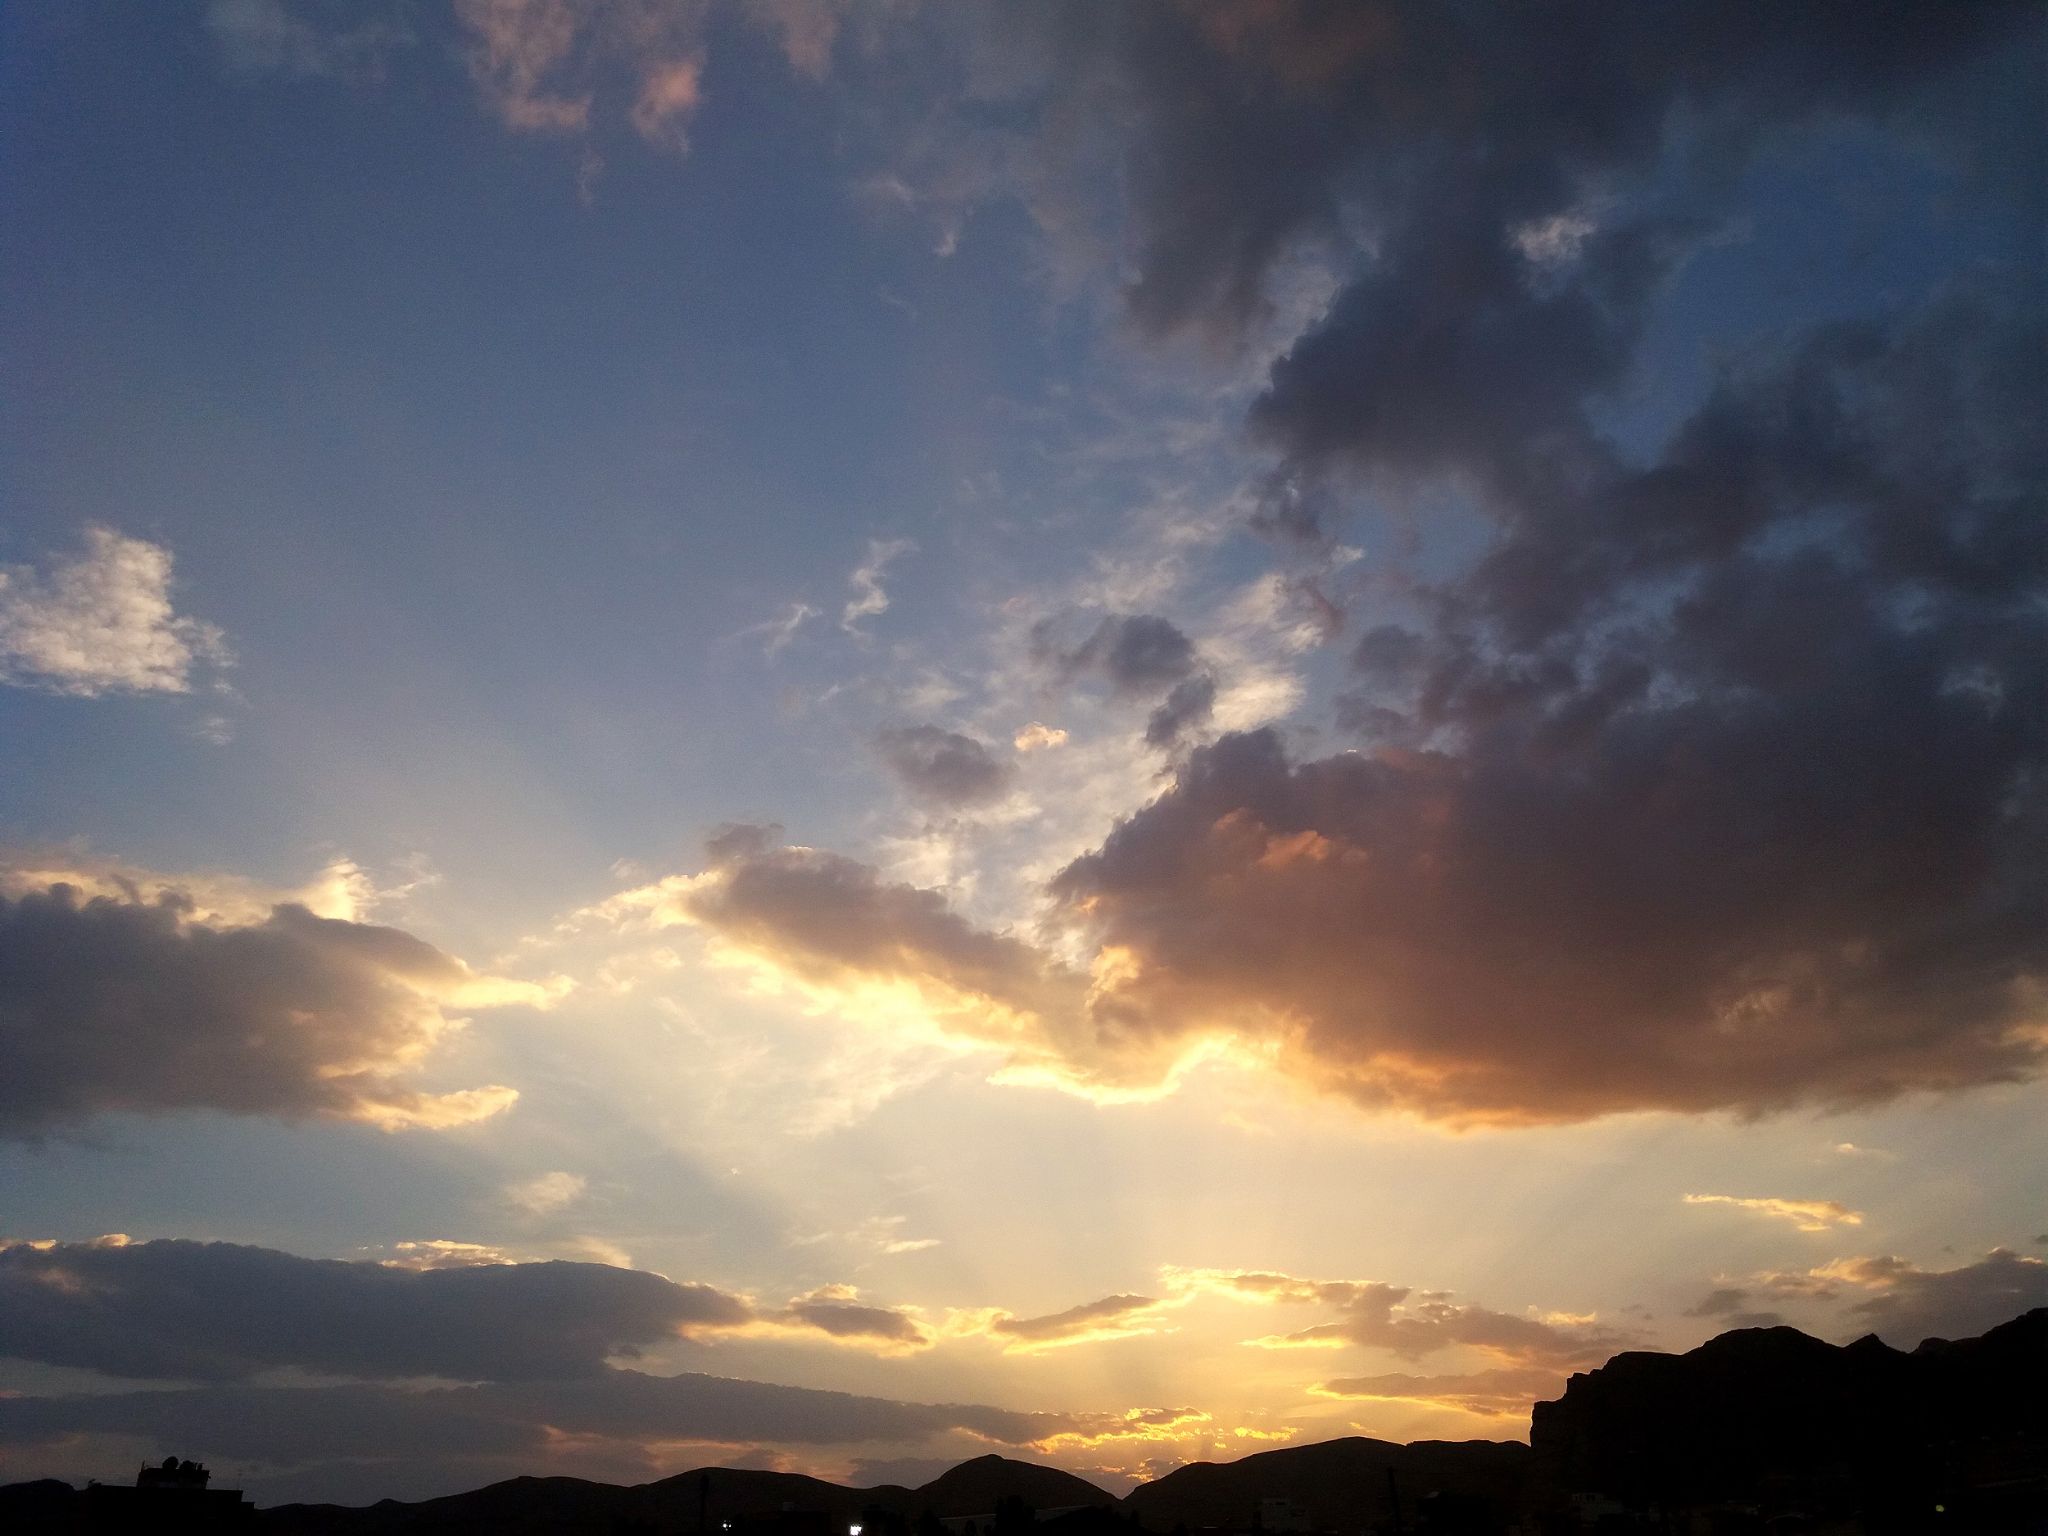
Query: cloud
pixel 668 95
pixel 540 64
pixel 222 1312
pixel 1375 1315
pixel 273 36
pixel 1136 654
pixel 869 596
pixel 943 768
pixel 808 29
pixel 1112 1317
pixel 776 634
pixel 865 944
pixel 141 999
pixel 179 1310
pixel 1807 1215
pixel 1623 829
pixel 1624 832
pixel 1908 1303
pixel 532 1340
pixel 1514 937
pixel 1039 738
pixel 836 1313
pixel 101 621
pixel 1719 1302
pixel 443 1253
pixel 1890 1295
pixel 1187 708
pixel 1487 1394
pixel 1478 221
pixel 516 45
pixel 546 1193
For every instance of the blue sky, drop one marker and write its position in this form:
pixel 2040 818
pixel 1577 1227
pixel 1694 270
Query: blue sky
pixel 1362 650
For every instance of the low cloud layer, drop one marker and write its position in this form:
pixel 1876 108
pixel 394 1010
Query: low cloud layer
pixel 615 1423
pixel 222 1311
pixel 530 1340
pixel 153 999
pixel 177 1310
pixel 102 621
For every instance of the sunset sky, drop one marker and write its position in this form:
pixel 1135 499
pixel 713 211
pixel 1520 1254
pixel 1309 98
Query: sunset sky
pixel 830 735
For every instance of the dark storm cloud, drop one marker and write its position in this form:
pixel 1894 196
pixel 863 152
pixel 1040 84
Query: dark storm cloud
pixel 1733 794
pixel 1138 655
pixel 1511 938
pixel 221 1311
pixel 943 768
pixel 1424 139
pixel 128 1004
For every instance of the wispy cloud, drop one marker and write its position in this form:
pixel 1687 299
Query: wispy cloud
pixel 870 597
pixel 775 634
pixel 276 36
pixel 1372 1314
pixel 1807 1215
pixel 1112 1317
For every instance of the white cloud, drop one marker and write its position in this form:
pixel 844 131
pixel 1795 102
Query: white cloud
pixel 101 621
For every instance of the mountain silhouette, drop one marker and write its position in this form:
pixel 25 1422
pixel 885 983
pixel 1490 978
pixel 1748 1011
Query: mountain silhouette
pixel 976 1487
pixel 1771 1416
pixel 1336 1483
pixel 671 1506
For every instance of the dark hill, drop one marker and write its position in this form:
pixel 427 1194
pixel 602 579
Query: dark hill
pixel 1770 1416
pixel 529 1506
pixel 1339 1484
pixel 976 1487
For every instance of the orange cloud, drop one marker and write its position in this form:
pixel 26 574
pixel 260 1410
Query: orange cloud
pixel 1807 1215
pixel 1112 1317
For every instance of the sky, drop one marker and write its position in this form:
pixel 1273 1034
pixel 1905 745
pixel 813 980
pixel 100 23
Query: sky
pixel 830 734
